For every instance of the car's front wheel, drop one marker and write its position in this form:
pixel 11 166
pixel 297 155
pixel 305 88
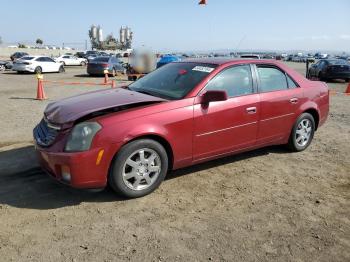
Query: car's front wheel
pixel 38 70
pixel 61 69
pixel 138 168
pixel 302 133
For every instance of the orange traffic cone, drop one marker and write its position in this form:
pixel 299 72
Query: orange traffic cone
pixel 40 94
pixel 106 77
pixel 113 84
pixel 347 91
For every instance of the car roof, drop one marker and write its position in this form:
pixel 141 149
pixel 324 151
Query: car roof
pixel 222 61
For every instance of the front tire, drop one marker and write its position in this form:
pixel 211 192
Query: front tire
pixel 302 133
pixel 61 69
pixel 38 70
pixel 138 168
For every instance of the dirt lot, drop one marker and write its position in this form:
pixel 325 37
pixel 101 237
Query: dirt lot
pixel 266 205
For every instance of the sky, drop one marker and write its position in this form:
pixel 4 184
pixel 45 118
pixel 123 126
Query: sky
pixel 183 25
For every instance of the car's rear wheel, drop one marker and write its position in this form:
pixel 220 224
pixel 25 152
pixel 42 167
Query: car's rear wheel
pixel 302 133
pixel 2 67
pixel 83 64
pixel 38 70
pixel 138 168
pixel 61 69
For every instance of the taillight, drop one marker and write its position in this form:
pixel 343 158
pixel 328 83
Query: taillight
pixel 105 65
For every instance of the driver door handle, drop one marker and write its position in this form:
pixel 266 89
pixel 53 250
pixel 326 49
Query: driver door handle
pixel 251 110
pixel 293 100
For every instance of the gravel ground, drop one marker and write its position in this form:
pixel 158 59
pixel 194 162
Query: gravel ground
pixel 265 205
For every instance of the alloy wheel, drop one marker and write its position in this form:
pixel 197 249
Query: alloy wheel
pixel 141 169
pixel 303 132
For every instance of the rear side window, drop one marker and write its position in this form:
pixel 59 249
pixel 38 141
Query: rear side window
pixel 236 81
pixel 271 79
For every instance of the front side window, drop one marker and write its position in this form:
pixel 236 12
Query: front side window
pixel 236 81
pixel 48 59
pixel 291 83
pixel 271 79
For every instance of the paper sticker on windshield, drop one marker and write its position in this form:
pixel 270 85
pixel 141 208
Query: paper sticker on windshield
pixel 203 69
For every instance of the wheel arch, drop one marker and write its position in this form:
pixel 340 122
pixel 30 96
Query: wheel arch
pixel 161 140
pixel 315 114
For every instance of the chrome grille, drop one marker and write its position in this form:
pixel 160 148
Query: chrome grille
pixel 44 135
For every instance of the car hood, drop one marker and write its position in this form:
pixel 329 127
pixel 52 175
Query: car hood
pixel 72 108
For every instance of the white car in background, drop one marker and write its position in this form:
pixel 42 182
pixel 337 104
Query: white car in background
pixel 37 64
pixel 71 60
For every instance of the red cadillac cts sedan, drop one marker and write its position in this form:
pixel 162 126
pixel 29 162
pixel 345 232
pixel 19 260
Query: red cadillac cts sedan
pixel 181 114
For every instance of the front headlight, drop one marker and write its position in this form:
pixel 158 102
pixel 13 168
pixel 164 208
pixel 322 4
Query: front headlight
pixel 80 138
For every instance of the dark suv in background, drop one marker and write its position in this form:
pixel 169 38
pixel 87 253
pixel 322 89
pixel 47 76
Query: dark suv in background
pixel 17 55
pixel 329 69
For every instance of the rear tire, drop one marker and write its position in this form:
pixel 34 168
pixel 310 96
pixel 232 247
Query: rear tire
pixel 83 64
pixel 135 174
pixel 2 68
pixel 38 70
pixel 302 133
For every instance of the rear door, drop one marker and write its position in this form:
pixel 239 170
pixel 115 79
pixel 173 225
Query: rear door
pixel 230 125
pixel 279 100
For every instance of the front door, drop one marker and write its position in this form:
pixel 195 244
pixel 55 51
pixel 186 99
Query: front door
pixel 230 125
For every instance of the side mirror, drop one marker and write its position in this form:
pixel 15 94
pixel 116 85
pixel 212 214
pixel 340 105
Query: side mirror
pixel 213 96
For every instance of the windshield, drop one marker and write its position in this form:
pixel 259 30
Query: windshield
pixel 173 81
